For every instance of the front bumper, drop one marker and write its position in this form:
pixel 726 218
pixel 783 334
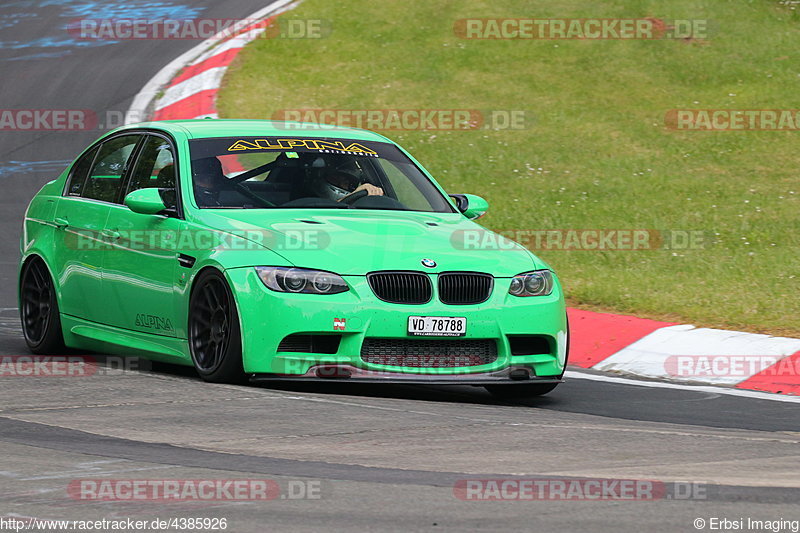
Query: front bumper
pixel 347 373
pixel 267 317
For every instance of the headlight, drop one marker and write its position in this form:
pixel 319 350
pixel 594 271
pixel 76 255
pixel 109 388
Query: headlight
pixel 537 283
pixel 301 280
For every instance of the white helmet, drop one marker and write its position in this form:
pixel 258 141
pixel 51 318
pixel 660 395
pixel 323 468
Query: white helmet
pixel 334 183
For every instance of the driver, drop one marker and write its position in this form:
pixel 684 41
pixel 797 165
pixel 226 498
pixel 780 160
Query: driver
pixel 209 180
pixel 337 183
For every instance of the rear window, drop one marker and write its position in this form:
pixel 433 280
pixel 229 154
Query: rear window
pixel 105 179
pixel 79 172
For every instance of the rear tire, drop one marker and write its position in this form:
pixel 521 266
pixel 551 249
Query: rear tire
pixel 520 391
pixel 41 320
pixel 215 340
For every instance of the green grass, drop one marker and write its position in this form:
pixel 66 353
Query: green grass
pixel 598 154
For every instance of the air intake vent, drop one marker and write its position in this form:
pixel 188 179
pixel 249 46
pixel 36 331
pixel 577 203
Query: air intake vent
pixel 401 287
pixel 429 353
pixel 528 344
pixel 464 288
pixel 310 343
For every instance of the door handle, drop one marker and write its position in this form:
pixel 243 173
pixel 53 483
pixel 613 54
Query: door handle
pixel 110 233
pixel 61 223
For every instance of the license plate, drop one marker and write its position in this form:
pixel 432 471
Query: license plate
pixel 437 326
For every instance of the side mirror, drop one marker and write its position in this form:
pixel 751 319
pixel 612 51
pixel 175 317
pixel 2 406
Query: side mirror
pixel 472 206
pixel 145 201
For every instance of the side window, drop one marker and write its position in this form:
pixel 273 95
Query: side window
pixel 155 166
pixel 105 178
pixel 80 171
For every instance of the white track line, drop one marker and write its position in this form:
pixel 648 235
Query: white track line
pixel 137 109
pixel 576 374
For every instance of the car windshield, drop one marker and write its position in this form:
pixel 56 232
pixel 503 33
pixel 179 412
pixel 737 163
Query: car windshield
pixel 288 172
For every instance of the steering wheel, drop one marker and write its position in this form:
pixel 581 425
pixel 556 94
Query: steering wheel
pixel 350 198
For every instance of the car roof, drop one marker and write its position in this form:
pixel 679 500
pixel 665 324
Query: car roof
pixel 210 128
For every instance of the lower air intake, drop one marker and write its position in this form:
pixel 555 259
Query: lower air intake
pixel 429 353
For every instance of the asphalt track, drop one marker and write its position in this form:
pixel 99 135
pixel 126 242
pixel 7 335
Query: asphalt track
pixel 385 457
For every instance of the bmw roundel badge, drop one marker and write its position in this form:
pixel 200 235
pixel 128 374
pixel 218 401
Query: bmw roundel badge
pixel 430 263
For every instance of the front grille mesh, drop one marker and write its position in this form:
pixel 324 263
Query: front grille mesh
pixel 428 353
pixel 401 287
pixel 455 288
pixel 464 288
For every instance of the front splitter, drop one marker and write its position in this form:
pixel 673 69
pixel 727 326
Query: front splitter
pixel 351 374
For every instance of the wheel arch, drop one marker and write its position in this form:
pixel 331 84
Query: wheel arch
pixel 33 255
pixel 231 286
pixel 230 373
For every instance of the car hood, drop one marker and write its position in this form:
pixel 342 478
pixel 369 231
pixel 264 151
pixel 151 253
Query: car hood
pixel 355 242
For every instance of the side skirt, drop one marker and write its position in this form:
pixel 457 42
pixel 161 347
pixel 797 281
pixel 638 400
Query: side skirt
pixel 85 335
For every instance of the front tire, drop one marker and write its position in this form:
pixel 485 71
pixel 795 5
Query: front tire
pixel 215 339
pixel 41 320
